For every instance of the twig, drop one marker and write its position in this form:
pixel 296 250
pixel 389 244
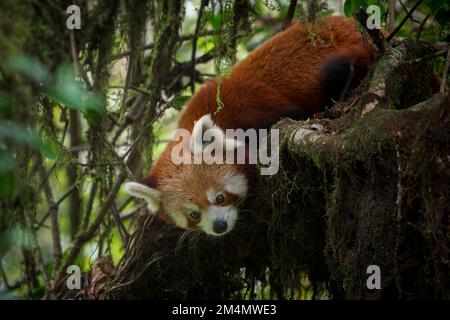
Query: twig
pixel 378 38
pixel 406 11
pixel 90 205
pixel 76 63
pixel 124 235
pixel 428 56
pixel 136 111
pixel 66 194
pixel 37 253
pixel 53 212
pixel 66 127
pixel 189 37
pixel 125 203
pixel 422 26
pixel 290 13
pixel 393 33
pixel 88 234
pixel 120 160
pixel 314 7
pixel 136 141
pixel 391 16
pixel 194 42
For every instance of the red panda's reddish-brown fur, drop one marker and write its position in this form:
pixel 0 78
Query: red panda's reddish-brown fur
pixel 280 78
pixel 284 77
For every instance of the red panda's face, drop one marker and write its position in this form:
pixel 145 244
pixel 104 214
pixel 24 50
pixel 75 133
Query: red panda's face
pixel 206 196
pixel 198 196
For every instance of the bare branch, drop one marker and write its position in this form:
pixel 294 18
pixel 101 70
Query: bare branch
pixel 194 42
pixel 53 212
pixel 149 46
pixel 290 13
pixel 400 25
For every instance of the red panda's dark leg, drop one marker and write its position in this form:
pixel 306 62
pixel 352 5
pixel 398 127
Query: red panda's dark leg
pixel 338 75
pixel 300 114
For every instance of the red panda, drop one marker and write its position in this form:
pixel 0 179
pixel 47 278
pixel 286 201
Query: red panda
pixel 293 74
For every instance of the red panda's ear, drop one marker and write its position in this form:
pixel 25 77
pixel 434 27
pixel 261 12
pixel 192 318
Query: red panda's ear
pixel 203 132
pixel 151 195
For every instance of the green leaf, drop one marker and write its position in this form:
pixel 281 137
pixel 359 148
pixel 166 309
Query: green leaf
pixel 31 67
pixel 6 184
pixel 352 6
pixel 66 90
pixel 348 8
pixel 93 117
pixel 94 108
pixel 7 161
pixel 19 135
pixel 214 20
pixel 5 100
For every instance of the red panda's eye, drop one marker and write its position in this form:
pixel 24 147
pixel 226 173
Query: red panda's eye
pixel 220 198
pixel 195 215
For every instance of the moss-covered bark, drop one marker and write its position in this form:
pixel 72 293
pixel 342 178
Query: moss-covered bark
pixel 383 200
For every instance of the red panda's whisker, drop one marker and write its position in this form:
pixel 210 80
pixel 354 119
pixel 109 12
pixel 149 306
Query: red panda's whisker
pixel 184 236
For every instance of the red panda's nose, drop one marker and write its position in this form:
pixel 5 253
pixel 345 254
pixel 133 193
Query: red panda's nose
pixel 220 226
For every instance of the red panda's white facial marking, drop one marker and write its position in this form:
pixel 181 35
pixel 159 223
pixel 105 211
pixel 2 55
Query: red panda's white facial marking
pixel 218 220
pixel 237 185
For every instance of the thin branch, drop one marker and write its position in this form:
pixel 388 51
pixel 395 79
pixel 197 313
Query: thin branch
pixel 149 46
pixel 53 212
pixel 76 63
pixel 37 253
pixel 397 29
pixel 422 26
pixel 290 13
pixel 125 203
pixel 391 16
pixel 124 235
pixel 378 38
pixel 428 56
pixel 90 205
pixel 194 42
pixel 66 194
pixel 120 160
pixel 406 11
pixel 136 111
pixel 89 234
